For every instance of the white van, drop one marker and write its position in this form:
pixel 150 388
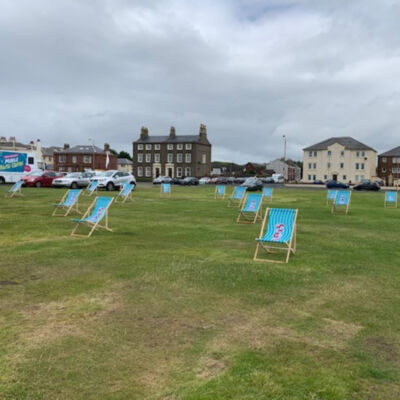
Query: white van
pixel 16 164
pixel 278 178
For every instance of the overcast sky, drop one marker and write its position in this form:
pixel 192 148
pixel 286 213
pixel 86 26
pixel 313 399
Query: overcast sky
pixel 251 70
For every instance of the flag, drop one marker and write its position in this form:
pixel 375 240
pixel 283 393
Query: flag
pixel 107 160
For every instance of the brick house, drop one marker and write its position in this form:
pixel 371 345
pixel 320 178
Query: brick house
pixel 172 155
pixel 84 157
pixel 287 168
pixel 389 166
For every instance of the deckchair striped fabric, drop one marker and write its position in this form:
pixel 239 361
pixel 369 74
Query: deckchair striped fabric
pixel 15 190
pixel 391 199
pixel 219 192
pixel 98 210
pixel 166 189
pixel 237 196
pixel 267 193
pixel 342 200
pixel 330 196
pixel 68 202
pixel 280 233
pixel 251 209
pixel 125 193
pixel 91 188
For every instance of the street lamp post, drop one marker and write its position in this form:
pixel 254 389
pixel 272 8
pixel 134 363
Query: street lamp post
pixel 284 156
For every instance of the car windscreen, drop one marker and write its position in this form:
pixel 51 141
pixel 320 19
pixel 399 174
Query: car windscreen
pixel 105 173
pixel 37 173
pixel 73 175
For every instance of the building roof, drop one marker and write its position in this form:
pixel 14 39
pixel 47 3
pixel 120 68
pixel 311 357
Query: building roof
pixel 82 149
pixel 346 141
pixel 124 161
pixel 392 153
pixel 14 144
pixel 49 151
pixel 169 139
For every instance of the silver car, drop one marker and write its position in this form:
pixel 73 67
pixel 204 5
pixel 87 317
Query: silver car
pixel 113 179
pixel 73 180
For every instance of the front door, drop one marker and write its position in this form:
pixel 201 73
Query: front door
pixel 334 177
pixel 157 172
pixel 170 172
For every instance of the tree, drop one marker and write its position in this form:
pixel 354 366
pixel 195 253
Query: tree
pixel 124 154
pixel 112 151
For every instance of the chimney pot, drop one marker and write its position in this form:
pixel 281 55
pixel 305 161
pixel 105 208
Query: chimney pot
pixel 3 139
pixel 66 146
pixel 12 138
pixel 172 132
pixel 144 132
pixel 106 147
pixel 203 130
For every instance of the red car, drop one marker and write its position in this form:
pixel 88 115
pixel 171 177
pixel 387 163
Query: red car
pixel 40 178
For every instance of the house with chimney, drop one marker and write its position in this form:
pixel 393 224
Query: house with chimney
pixel 84 157
pixel 172 155
pixel 12 145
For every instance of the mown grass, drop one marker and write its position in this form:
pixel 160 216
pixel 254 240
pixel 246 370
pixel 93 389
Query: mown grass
pixel 171 306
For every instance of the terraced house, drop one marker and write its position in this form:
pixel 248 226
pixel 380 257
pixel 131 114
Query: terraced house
pixel 389 166
pixel 339 158
pixel 172 155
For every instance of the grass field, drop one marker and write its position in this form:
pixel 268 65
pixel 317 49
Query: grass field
pixel 171 306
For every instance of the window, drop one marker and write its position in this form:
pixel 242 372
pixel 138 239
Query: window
pixel 148 171
pixel 344 177
pixel 363 154
pixel 357 166
pixel 87 159
pixel 396 160
pixel 204 158
pixel 69 169
pixel 188 158
pixel 396 170
pixel 315 154
pixel 309 177
pixel 309 165
pixel 62 158
pixel 30 161
pixel 157 146
pixel 329 153
pixel 358 154
pixel 170 146
pixel 157 157
pixel 383 169
pixel 362 165
pixel 74 159
pixel 342 153
pixel 329 165
pixel 179 172
pixel 148 146
pixel 148 158
pixel 140 147
pixel 179 157
pixel 356 178
pixel 314 177
pixel 325 177
pixel 188 146
pixel 310 154
pixel 61 169
pixel 170 158
pixel 140 171
pixel 384 159
pixel 341 165
pixel 179 146
pixel 188 171
pixel 140 157
pixel 315 166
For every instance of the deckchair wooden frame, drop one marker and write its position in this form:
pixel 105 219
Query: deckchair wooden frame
pixel 288 247
pixel 258 215
pixel 393 204
pixel 88 192
pixel 60 205
pixel 9 194
pixel 162 193
pixel 217 195
pixel 328 200
pixel 93 226
pixel 336 207
pixel 236 202
pixel 123 198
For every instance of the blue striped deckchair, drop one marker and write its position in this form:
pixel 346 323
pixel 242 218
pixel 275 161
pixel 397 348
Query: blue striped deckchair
pixel 278 234
pixel 251 209
pixel 125 193
pixel 341 201
pixel 391 199
pixel 237 196
pixel 15 190
pixel 165 189
pixel 219 192
pixel 330 197
pixel 267 193
pixel 96 212
pixel 91 188
pixel 69 202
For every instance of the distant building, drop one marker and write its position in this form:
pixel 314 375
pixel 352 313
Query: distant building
pixel 172 155
pixel 389 166
pixel 124 164
pixel 340 158
pixel 288 169
pixel 12 145
pixel 48 156
pixel 254 168
pixel 84 157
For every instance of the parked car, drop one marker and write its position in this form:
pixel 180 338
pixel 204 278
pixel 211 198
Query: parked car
pixel 268 180
pixel 204 181
pixel 336 185
pixel 73 180
pixel 189 180
pixel 40 178
pixel 221 181
pixel 213 180
pixel 240 180
pixel 230 180
pixel 367 185
pixel 318 182
pixel 253 184
pixel 162 179
pixel 278 178
pixel 113 179
pixel 175 181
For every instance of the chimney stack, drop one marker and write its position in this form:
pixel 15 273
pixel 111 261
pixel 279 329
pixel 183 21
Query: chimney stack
pixel 106 147
pixel 172 132
pixel 3 139
pixel 66 146
pixel 203 131
pixel 144 132
pixel 12 139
